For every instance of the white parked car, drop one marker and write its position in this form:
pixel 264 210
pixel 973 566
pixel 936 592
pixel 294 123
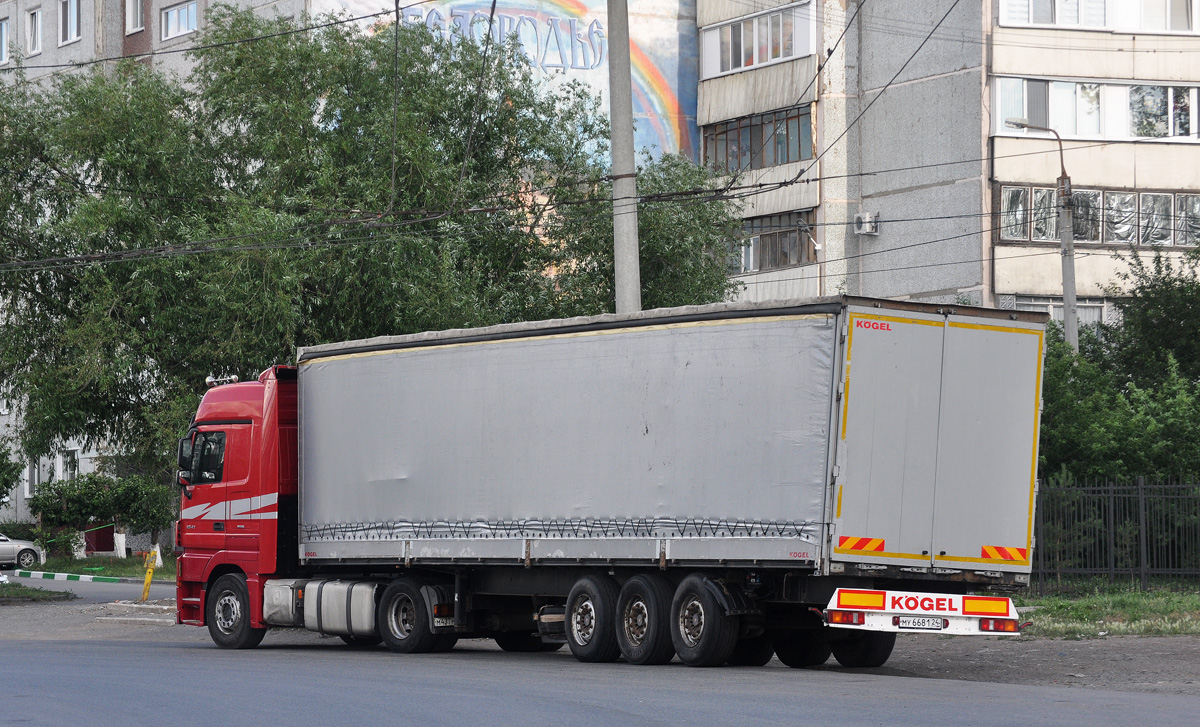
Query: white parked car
pixel 19 553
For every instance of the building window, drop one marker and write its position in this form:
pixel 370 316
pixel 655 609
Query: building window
pixel 33 478
pixel 3 40
pixel 1014 213
pixel 1117 15
pixel 1114 217
pixel 778 35
pixel 67 465
pixel 771 242
pixel 1090 311
pixel 1097 111
pixel 68 21
pixel 33 38
pixel 763 140
pixel 135 16
pixel 179 20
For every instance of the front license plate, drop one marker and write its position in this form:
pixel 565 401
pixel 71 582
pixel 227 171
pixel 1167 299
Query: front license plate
pixel 927 623
pixel 442 622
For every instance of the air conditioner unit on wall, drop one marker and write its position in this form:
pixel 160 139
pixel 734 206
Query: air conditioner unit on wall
pixel 866 223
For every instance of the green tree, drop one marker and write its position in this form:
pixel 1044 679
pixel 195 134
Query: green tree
pixel 1160 318
pixel 298 191
pixel 10 470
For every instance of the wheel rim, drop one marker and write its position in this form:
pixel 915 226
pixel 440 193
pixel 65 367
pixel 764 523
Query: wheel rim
pixel 27 560
pixel 691 621
pixel 583 621
pixel 402 617
pixel 636 621
pixel 228 612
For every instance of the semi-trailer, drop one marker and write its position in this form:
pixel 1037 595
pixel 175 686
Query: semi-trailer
pixel 723 483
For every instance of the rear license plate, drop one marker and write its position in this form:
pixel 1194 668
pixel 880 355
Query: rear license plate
pixel 439 623
pixel 927 623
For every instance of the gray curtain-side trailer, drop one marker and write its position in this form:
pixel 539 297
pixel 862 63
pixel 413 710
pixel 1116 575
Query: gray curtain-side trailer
pixel 723 482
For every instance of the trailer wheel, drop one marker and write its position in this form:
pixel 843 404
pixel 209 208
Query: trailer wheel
pixel 403 620
pixel 703 634
pixel 869 649
pixel 591 619
pixel 802 650
pixel 644 620
pixel 228 614
pixel 754 651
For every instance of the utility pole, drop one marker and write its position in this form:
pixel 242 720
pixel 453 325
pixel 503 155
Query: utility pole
pixel 627 271
pixel 1066 236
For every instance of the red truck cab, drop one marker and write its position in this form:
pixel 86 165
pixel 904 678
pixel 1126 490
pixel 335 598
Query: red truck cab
pixel 238 479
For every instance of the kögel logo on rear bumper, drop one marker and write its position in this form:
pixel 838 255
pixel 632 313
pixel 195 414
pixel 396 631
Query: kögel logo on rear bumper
pixel 873 610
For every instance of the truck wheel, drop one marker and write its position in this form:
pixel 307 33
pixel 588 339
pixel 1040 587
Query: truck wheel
pixel 702 633
pixel 644 620
pixel 519 642
pixel 802 650
pixel 228 614
pixel 591 620
pixel 26 559
pixel 403 619
pixel 870 649
pixel 754 651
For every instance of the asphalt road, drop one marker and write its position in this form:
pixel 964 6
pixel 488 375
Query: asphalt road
pixel 325 683
pixel 92 592
pixel 66 664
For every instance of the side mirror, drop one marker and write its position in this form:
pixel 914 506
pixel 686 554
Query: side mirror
pixel 185 451
pixel 183 478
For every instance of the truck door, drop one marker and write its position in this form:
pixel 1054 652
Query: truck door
pixel 888 437
pixel 987 444
pixel 204 515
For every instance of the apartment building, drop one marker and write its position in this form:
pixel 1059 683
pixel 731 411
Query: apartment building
pixel 52 35
pixel 914 186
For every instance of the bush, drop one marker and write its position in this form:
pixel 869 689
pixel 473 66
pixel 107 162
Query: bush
pixel 19 530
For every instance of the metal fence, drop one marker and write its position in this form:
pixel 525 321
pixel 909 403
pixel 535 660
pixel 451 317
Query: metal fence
pixel 1141 533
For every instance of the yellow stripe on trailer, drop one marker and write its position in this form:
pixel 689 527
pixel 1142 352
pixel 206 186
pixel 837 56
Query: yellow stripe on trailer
pixel 872 600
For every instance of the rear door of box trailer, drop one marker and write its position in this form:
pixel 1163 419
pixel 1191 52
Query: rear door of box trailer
pixel 937 439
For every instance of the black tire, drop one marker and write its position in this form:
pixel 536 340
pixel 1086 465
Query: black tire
pixel 591 620
pixel 403 619
pixel 701 631
pixel 867 650
pixel 26 559
pixel 362 642
pixel 802 650
pixel 521 642
pixel 227 611
pixel 445 642
pixel 644 620
pixel 754 651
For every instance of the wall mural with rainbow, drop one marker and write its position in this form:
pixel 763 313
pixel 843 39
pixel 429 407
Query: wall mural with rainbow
pixel 567 40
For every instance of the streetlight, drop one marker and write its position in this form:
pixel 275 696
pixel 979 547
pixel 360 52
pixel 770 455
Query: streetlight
pixel 1065 235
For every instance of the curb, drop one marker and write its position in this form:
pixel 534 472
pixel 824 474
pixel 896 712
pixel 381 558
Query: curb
pixel 41 575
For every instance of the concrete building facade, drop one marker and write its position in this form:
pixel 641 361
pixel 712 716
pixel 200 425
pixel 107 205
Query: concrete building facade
pixel 51 35
pixel 909 140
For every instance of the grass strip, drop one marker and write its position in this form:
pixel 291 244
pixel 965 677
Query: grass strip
pixel 117 567
pixel 1112 613
pixel 19 592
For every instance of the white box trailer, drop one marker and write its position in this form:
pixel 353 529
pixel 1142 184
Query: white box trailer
pixel 743 478
pixel 834 434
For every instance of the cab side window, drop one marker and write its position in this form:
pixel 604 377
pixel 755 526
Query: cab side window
pixel 209 457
